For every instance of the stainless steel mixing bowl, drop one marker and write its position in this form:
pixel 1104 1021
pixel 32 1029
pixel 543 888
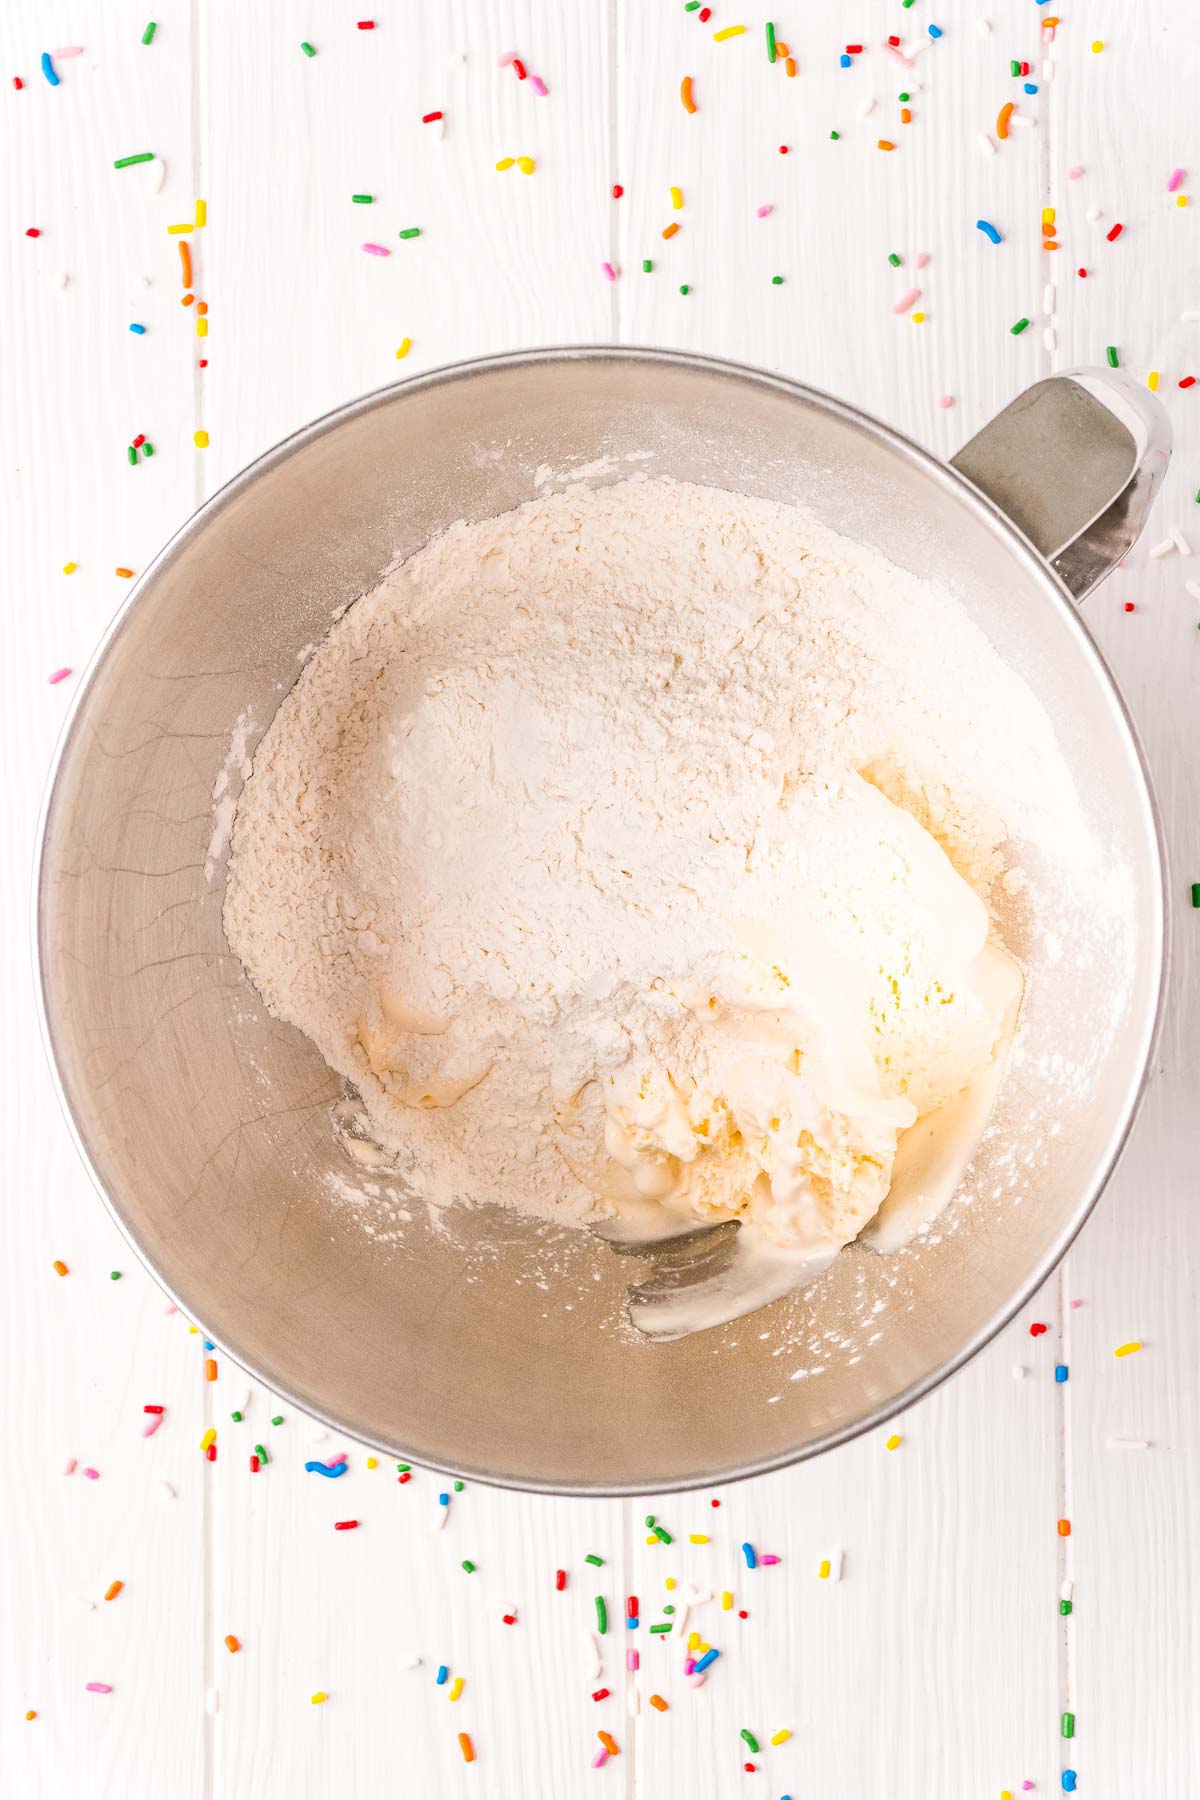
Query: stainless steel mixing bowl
pixel 475 1341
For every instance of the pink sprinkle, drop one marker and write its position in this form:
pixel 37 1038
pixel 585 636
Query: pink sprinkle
pixel 921 258
pixel 600 1758
pixel 906 300
pixel 632 1661
pixel 768 1561
pixel 945 401
pixel 764 212
pixel 1172 184
pixel 333 1461
pixel 502 62
pixel 897 56
pixel 538 85
pixel 68 50
pixel 689 1665
pixel 58 675
pixel 71 1467
pixel 98 1687
pixel 168 1310
pixel 92 1474
pixel 609 273
pixel 376 250
pixel 152 1425
pixel 1076 1303
pixel 697 1681
pixel 1075 171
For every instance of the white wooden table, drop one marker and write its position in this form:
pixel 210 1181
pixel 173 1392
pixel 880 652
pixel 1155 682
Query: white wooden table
pixel 940 1665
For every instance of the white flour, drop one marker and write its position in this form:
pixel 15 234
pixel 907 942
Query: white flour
pixel 503 819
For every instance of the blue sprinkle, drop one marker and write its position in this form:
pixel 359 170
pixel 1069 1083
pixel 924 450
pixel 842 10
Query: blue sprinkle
pixel 315 1468
pixel 140 331
pixel 1031 87
pixel 48 69
pixel 935 31
pixel 989 231
pixel 442 1673
pixel 1068 1781
pixel 632 1623
pixel 208 1343
pixel 443 1499
pixel 844 60
pixel 748 1553
pixel 1060 1371
pixel 710 1656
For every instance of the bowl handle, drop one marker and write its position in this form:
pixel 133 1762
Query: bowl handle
pixel 1075 462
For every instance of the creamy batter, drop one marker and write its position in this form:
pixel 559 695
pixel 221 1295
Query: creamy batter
pixel 629 854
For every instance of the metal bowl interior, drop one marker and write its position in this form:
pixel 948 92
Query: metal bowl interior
pixel 477 1341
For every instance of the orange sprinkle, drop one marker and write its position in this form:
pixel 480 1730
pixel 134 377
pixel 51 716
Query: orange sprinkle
pixel 1050 23
pixel 686 95
pixel 789 63
pixel 31 1715
pixel 113 1589
pixel 210 1368
pixel 60 1268
pixel 670 230
pixel 781 50
pixel 1005 114
pixel 905 116
pixel 657 1701
pixel 609 1742
pixel 202 307
pixel 232 1644
pixel 1064 1528
pixel 885 145
pixel 466 1746
pixel 126 575
pixel 185 263
pixel 1049 244
pixel 188 300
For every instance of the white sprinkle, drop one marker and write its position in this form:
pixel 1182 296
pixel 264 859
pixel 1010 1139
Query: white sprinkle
pixel 681 1618
pixel 212 1701
pixel 168 1492
pixel 411 1661
pixel 86 1604
pixel 1050 338
pixel 1094 213
pixel 985 28
pixel 157 172
pixel 1020 119
pixel 1164 548
pixel 1115 1443
pixel 1180 542
pixel 60 280
pixel 144 281
pixel 1193 588
pixel 985 144
pixel 836 1564
pixel 1191 317
pixel 1018 1371
pixel 1049 296
pixel 1048 69
pixel 867 107
pixel 443 1513
pixel 597 1654
pixel 1066 1590
pixel 633 1701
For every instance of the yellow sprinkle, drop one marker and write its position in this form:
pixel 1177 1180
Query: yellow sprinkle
pixel 201 214
pixel 201 327
pixel 1152 381
pixel 179 230
pixel 893 1442
pixel 210 1437
pixel 526 165
pixel 669 1583
pixel 652 1540
pixel 729 31
pixel 200 439
pixel 405 347
pixel 319 1696
pixel 457 1687
pixel 1005 1794
pixel 1098 46
pixel 918 318
pixel 506 162
pixel 824 1568
pixel 781 1737
pixel 372 1462
pixel 193 1329
pixel 726 1601
pixel 1127 1349
pixel 703 1648
pixel 697 1537
pixel 693 1640
pixel 1181 199
pixel 70 568
pixel 677 198
pixel 1047 215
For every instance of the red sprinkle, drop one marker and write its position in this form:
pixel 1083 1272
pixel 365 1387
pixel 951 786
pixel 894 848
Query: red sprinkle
pixel 519 66
pixel 203 363
pixel 211 1453
pixel 138 441
pixel 1038 1330
pixel 1188 381
pixel 33 231
pixel 743 1615
pixel 783 149
pixel 1129 606
pixel 1115 232
pixel 714 1503
pixel 894 42
pixel 346 1525
pixel 1082 274
pixel 428 118
pixel 510 1618
pixel 631 1607
pixel 749 1768
pixel 366 24
pixel 254 1465
pixel 560 1579
pixel 403 1478
pixel 17 82
pixel 705 14
pixel 853 49
pixel 153 1409
pixel 618 190
pixel 600 1694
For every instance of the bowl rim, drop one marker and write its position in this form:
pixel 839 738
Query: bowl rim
pixel 924 462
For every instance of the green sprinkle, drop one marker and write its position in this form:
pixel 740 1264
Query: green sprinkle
pixel 148 34
pixel 403 1468
pixel 1064 1607
pixel 685 289
pixel 664 1537
pixel 308 49
pixel 1019 327
pixel 1068 1725
pixel 1111 353
pixel 904 99
pixel 656 1630
pixel 131 453
pixel 278 1419
pixel 668 1609
pixel 413 231
pixel 649 1521
pixel 777 281
pixel 147 449
pixel 1198 499
pixel 363 199
pixel 648 269
pixel 261 1454
pixel 750 1741
pixel 468 1565
pixel 692 6
pixel 458 1487
pixel 770 41
pixel 893 259
pixel 1014 68
pixel 114 1275
pixel 835 135
pixel 601 1615
pixel 127 162
pixel 597 1562
pixel 1196 893
pixel 236 1417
